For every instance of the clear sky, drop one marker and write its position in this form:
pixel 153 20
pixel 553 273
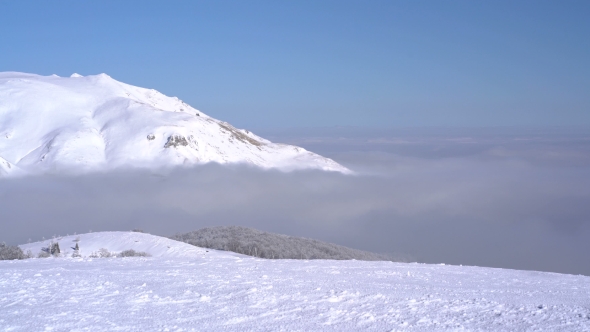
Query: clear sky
pixel 323 63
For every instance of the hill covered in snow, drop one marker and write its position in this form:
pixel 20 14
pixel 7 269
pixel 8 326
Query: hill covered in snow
pixel 90 244
pixel 185 288
pixel 79 124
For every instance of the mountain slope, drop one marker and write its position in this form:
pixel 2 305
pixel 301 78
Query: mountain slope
pixel 7 168
pixel 77 124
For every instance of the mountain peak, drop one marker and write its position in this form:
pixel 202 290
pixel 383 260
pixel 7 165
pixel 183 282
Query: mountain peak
pixel 90 123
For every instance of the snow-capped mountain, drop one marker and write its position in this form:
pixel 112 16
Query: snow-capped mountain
pixel 77 124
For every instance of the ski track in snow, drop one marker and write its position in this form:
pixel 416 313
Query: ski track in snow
pixel 227 293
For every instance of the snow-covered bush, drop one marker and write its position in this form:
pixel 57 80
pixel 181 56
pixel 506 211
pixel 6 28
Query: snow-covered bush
pixel 11 252
pixel 256 243
pixel 76 248
pixel 54 249
pixel 43 254
pixel 101 253
pixel 133 253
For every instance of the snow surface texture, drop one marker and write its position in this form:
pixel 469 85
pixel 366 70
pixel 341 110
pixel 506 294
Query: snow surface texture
pixel 252 242
pixel 79 124
pixel 221 292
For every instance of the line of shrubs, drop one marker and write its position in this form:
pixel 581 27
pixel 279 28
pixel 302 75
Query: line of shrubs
pixel 8 252
pixel 104 253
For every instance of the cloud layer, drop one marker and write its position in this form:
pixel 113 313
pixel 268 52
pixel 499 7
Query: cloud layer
pixel 505 198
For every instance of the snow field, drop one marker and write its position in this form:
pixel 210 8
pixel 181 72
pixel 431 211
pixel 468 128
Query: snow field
pixel 225 293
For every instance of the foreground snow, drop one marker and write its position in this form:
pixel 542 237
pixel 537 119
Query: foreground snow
pixel 79 124
pixel 215 291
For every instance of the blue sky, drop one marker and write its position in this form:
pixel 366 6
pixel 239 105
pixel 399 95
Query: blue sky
pixel 273 64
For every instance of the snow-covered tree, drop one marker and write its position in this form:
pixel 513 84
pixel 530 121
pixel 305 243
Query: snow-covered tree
pixel 10 252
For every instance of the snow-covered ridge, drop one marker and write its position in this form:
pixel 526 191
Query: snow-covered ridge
pixel 116 242
pixel 78 124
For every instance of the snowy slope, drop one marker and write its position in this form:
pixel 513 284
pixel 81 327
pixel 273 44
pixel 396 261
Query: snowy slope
pixel 116 242
pixel 208 293
pixel 7 168
pixel 51 123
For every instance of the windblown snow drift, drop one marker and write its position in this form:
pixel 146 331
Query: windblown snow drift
pixel 78 124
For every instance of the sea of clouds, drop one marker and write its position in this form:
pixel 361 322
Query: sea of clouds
pixel 502 197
